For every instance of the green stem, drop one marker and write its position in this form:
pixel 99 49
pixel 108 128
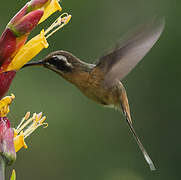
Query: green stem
pixel 2 168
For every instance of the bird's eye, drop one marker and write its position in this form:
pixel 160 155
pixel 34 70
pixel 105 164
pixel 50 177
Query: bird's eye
pixel 62 58
pixel 60 63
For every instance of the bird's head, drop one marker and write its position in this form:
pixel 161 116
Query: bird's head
pixel 61 62
pixel 65 64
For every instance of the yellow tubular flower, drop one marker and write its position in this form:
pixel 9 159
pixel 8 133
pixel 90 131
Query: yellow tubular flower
pixel 37 44
pixel 26 127
pixel 19 142
pixel 50 9
pixel 4 105
pixel 28 51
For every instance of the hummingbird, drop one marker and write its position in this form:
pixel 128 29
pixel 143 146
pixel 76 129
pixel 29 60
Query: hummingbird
pixel 101 82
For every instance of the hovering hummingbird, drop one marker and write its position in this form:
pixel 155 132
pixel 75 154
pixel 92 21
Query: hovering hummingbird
pixel 101 82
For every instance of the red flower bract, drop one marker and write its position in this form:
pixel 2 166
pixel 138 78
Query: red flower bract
pixel 7 45
pixel 5 81
pixel 28 22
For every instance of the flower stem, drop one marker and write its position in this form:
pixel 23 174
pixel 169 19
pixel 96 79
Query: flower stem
pixel 2 168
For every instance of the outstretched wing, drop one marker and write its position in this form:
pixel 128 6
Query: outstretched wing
pixel 118 63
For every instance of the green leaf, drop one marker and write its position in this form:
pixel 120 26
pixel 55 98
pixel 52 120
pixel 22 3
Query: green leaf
pixel 13 175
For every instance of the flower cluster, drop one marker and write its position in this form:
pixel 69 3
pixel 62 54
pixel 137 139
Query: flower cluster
pixel 14 53
pixel 12 139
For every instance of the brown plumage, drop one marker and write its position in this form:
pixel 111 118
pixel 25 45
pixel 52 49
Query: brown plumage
pixel 101 82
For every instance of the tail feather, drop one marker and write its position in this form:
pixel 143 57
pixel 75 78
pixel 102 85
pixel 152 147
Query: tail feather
pixel 145 154
pixel 126 112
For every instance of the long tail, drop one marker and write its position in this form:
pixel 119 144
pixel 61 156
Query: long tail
pixel 145 154
pixel 126 112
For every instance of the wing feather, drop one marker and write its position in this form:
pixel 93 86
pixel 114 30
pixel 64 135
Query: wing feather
pixel 118 63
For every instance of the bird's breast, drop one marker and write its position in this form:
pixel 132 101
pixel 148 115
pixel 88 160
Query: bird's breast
pixel 94 89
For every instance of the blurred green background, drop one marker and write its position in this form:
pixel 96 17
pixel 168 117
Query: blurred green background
pixel 85 141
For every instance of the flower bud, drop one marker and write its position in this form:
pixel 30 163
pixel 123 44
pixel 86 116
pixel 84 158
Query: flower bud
pixel 19 15
pixel 27 23
pixel 29 7
pixel 36 4
pixel 7 149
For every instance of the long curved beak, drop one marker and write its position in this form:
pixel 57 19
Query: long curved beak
pixel 37 63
